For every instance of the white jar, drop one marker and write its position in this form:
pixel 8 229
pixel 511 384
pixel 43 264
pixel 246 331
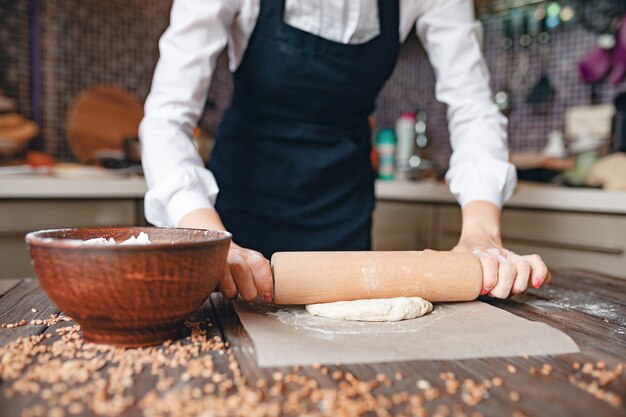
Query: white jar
pixel 405 133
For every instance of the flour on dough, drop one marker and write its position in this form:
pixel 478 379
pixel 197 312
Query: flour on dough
pixel 382 309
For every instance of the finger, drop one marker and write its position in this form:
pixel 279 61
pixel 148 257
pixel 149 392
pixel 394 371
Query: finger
pixel 548 278
pixel 523 272
pixel 262 275
pixel 242 277
pixel 489 264
pixel 227 284
pixel 539 270
pixel 506 277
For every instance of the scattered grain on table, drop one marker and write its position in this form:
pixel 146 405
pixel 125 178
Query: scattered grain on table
pixel 546 369
pixel 601 376
pixel 63 375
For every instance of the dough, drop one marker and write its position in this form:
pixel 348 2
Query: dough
pixel 382 309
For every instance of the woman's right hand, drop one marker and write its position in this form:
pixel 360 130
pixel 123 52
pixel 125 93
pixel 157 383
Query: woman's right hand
pixel 247 272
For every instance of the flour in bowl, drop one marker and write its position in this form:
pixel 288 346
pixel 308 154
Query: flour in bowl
pixel 141 239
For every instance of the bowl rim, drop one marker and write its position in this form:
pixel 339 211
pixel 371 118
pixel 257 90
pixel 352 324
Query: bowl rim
pixel 34 238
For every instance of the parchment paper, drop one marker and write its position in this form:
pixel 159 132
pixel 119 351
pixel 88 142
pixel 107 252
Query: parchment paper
pixel 287 336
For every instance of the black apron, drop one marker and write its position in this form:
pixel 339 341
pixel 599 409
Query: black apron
pixel 292 154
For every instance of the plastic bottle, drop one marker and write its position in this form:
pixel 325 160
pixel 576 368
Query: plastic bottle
pixel 386 146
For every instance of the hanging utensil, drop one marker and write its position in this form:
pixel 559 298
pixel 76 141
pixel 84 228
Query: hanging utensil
pixel 521 73
pixel 543 92
pixel 503 96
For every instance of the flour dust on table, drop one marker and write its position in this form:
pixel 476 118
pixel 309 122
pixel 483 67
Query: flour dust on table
pixel 383 309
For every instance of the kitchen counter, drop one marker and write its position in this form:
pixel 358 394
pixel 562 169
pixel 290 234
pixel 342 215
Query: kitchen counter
pixel 101 184
pixel 90 184
pixel 567 227
pixel 527 195
pixel 224 376
pixel 77 197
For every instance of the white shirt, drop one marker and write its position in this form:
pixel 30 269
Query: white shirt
pixel 199 30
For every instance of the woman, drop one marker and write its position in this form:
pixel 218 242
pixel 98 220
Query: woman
pixel 292 152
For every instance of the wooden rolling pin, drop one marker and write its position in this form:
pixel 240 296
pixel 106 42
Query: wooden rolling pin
pixel 322 277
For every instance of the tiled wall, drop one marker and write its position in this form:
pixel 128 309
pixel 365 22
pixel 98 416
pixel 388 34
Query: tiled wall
pixel 14 53
pixel 527 128
pixel 88 42
pixel 411 87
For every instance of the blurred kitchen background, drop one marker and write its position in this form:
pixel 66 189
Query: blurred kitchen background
pixel 73 75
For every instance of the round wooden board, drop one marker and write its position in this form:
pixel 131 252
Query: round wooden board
pixel 99 119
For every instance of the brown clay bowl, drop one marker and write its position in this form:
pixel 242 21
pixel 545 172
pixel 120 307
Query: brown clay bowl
pixel 129 295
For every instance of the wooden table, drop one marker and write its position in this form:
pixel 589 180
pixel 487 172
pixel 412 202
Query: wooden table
pixel 591 308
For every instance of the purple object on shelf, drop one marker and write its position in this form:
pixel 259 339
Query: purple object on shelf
pixel 595 65
pixel 619 55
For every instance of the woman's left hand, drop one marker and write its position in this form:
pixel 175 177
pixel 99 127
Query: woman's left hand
pixel 505 273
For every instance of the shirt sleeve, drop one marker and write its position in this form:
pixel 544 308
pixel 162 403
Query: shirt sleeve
pixel 177 179
pixel 479 167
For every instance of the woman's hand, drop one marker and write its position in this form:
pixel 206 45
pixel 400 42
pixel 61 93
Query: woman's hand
pixel 247 272
pixel 504 272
